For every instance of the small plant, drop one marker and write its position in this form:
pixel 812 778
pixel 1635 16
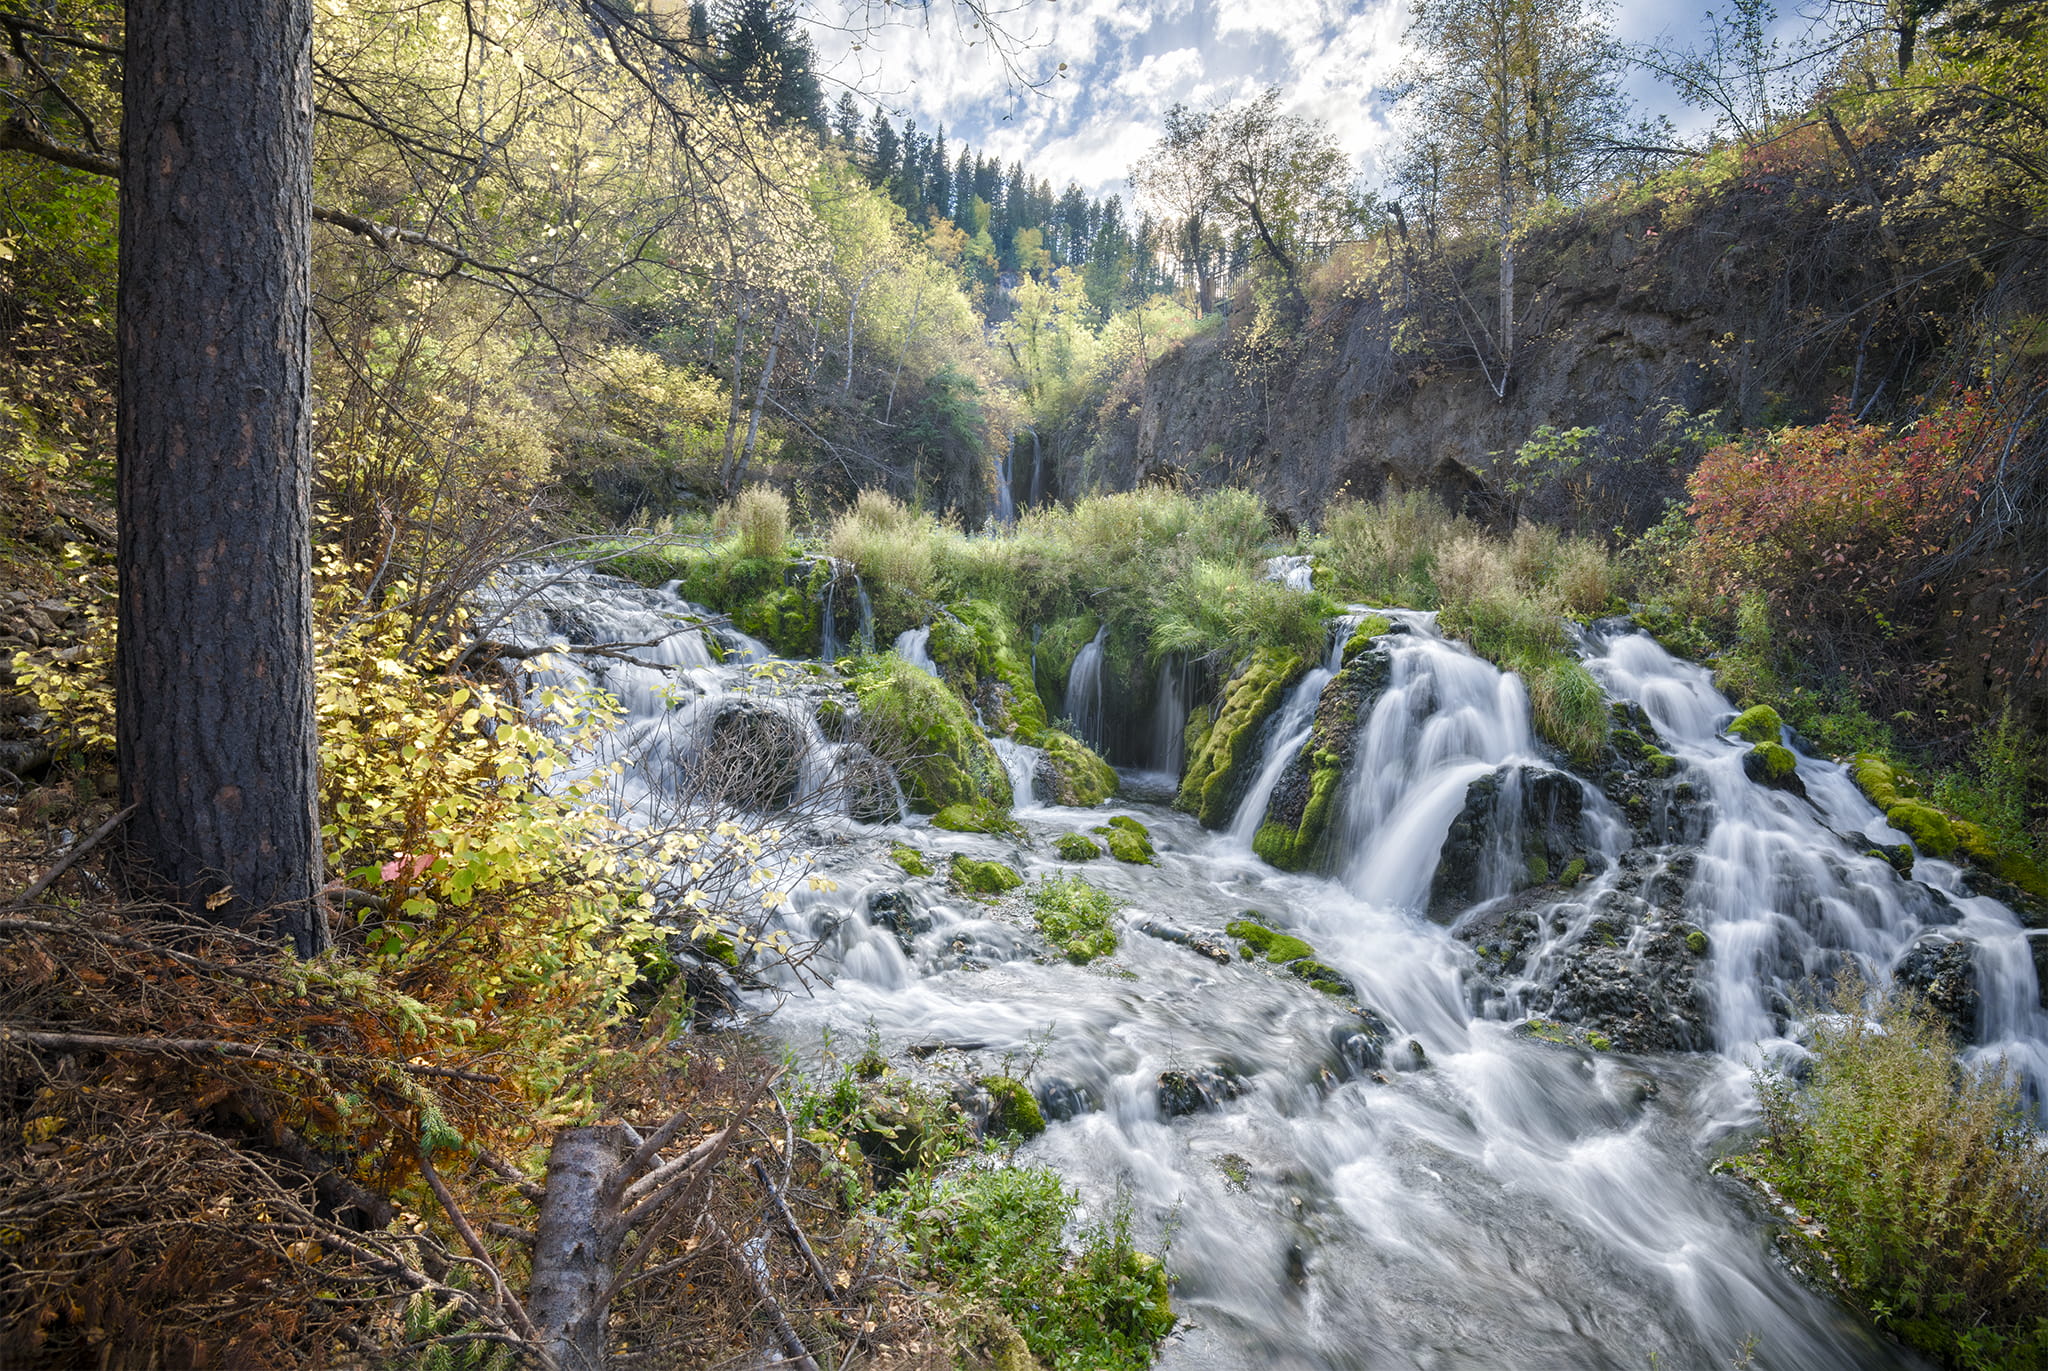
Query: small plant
pixel 1076 917
pixel 1929 1186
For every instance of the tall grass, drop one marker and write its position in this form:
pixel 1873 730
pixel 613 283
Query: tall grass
pixel 1930 1186
pixel 761 517
pixel 889 544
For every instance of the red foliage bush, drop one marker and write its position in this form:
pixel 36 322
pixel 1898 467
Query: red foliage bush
pixel 1827 518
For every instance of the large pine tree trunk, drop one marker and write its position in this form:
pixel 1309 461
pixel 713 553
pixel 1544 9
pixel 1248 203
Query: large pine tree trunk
pixel 216 731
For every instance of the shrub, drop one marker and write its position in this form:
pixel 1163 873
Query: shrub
pixel 891 546
pixel 1076 917
pixel 1929 1185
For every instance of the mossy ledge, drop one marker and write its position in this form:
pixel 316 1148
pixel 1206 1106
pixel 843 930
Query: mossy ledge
pixel 945 759
pixel 1128 840
pixel 1258 942
pixel 1296 826
pixel 1226 745
pixel 983 878
pixel 984 657
pixel 1081 778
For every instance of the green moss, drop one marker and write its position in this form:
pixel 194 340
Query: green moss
pixel 1927 826
pixel 720 948
pixel 1976 842
pixel 943 758
pixel 910 859
pixel 1076 847
pixel 1016 1112
pixel 1128 840
pixel 1876 779
pixel 1084 780
pixel 1230 743
pixel 1599 1042
pixel 1371 627
pixel 1056 648
pixel 1322 976
pixel 983 878
pixel 1758 724
pixel 1770 764
pixel 974 817
pixel 1659 765
pixel 1696 943
pixel 1076 917
pixel 1539 868
pixel 1261 941
pixel 991 652
pixel 1574 872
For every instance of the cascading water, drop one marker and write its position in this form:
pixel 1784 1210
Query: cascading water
pixel 1419 1185
pixel 1296 571
pixel 1169 719
pixel 914 645
pixel 1084 690
pixel 830 647
pixel 1006 502
pixel 1286 732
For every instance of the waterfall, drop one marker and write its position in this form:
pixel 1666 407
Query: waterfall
pixel 1084 691
pixel 1296 572
pixel 1021 764
pixel 1169 717
pixel 830 648
pixel 1781 895
pixel 1286 733
pixel 1446 719
pixel 1006 502
pixel 1409 1173
pixel 1037 471
pixel 913 645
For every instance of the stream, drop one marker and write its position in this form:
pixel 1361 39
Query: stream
pixel 1426 1185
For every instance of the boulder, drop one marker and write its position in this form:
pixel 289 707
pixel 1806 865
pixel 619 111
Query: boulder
pixel 1520 826
pixel 1942 971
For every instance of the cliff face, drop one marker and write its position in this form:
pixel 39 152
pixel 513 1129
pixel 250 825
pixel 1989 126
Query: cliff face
pixel 1765 299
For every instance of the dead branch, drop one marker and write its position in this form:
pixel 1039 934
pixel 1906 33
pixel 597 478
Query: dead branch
pixel 795 1232
pixel 506 1299
pixel 63 863
pixel 110 1042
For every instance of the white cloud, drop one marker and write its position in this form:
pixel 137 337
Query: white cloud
pixel 1159 74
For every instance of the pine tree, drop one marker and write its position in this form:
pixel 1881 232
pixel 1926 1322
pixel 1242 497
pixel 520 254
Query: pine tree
pixel 846 121
pixel 884 149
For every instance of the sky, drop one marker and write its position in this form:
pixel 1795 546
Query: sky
pixel 1126 64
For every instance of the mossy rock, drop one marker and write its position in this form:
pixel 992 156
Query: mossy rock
pixel 1076 847
pixel 975 817
pixel 910 860
pixel 1574 872
pixel 774 600
pixel 1696 942
pixel 1322 976
pixel 1369 628
pixel 1260 941
pixel 1928 827
pixel 1081 779
pixel 1016 1113
pixel 1773 765
pixel 1759 724
pixel 991 653
pixel 1295 834
pixel 1229 746
pixel 1975 842
pixel 1876 779
pixel 1295 849
pixel 944 758
pixel 1128 840
pixel 1148 1302
pixel 983 878
pixel 1659 765
pixel 986 1340
pixel 1057 647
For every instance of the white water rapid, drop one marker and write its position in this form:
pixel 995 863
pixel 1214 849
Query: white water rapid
pixel 1421 1185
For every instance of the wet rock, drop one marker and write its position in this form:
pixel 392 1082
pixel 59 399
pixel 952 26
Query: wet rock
pixel 892 910
pixel 1775 766
pixel 1201 944
pixel 1361 1045
pixel 1519 827
pixel 1183 1092
pixel 1943 972
pixel 1059 1101
pixel 1294 835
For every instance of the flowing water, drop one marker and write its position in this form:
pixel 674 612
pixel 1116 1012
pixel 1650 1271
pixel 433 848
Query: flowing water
pixel 1427 1188
pixel 914 645
pixel 1084 690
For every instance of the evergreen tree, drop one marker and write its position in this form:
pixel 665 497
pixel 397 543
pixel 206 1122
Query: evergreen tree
pixel 939 179
pixel 765 55
pixel 846 121
pixel 963 185
pixel 885 149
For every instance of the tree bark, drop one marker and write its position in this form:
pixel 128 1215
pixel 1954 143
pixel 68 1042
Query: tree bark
pixel 576 1247
pixel 216 738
